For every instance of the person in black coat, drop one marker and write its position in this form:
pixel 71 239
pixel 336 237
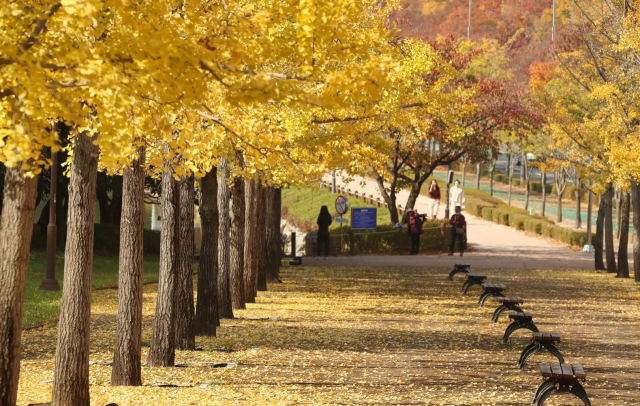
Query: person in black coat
pixel 324 221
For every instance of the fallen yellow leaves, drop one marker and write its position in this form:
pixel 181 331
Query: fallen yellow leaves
pixel 373 336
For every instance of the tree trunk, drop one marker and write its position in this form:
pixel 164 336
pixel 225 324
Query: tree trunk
pixel 623 260
pixel 618 195
pixel 163 347
pixel 393 208
pixel 599 237
pixel 273 228
pixel 608 231
pixel 278 214
pixel 578 214
pixel 126 368
pixel 544 193
pixel 478 173
pixel 559 215
pixel 261 237
pixel 389 198
pixel 250 272
pixel 71 373
pixel 414 193
pixel 635 201
pixel 185 334
pixel 207 302
pixel 237 244
pixel 225 309
pixel 16 227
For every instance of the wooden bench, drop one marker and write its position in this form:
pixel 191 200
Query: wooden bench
pixel 541 342
pixel 520 320
pixel 472 279
pixel 562 378
pixel 459 268
pixel 490 289
pixel 291 261
pixel 507 303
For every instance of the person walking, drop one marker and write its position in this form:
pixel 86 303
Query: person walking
pixel 458 230
pixel 324 221
pixel 456 195
pixel 434 200
pixel 414 222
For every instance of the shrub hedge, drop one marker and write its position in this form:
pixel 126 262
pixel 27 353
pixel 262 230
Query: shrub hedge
pixel 483 205
pixel 385 239
pixel 106 239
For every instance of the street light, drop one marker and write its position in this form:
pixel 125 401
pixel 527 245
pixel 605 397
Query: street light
pixel 469 23
pixel 553 24
pixel 50 282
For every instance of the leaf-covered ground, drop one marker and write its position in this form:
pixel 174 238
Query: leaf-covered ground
pixel 374 336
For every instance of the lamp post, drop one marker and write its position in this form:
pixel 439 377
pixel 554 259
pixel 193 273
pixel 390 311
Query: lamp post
pixel 50 282
pixel 553 24
pixel 469 23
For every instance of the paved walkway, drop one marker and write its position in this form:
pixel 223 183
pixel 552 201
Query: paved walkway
pixel 494 246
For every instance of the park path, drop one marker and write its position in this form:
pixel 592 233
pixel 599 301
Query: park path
pixel 494 245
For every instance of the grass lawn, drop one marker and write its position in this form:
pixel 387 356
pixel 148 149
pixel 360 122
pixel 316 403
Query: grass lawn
pixel 304 205
pixel 42 306
pixel 383 336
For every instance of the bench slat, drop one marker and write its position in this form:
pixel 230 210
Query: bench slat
pixel 545 370
pixel 567 371
pixel 579 372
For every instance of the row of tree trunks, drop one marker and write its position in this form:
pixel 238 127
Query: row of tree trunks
pixel 608 231
pixel 261 238
pixel 237 244
pixel 635 201
pixel 272 208
pixel 251 252
pixel 623 260
pixel 599 237
pixel 162 351
pixel 127 353
pixel 16 226
pixel 207 318
pixel 224 239
pixel 185 333
pixel 71 372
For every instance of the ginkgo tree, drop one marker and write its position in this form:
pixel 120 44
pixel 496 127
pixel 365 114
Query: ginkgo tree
pixel 140 104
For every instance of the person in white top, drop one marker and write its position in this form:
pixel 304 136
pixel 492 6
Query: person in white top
pixel 456 196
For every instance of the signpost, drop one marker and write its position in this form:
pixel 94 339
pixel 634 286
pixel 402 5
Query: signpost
pixel 342 205
pixel 364 218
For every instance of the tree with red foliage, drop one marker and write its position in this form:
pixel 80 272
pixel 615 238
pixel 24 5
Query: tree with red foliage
pixel 495 107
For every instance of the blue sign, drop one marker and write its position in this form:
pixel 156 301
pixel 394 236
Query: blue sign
pixel 363 218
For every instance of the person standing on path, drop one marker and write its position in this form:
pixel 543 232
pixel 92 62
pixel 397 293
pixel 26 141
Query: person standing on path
pixel 324 221
pixel 458 230
pixel 414 223
pixel 434 200
pixel 456 195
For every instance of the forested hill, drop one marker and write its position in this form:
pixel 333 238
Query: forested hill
pixel 523 26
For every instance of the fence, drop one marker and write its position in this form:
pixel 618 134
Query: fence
pixel 386 239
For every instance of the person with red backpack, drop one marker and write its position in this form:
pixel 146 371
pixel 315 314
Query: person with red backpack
pixel 459 226
pixel 414 222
